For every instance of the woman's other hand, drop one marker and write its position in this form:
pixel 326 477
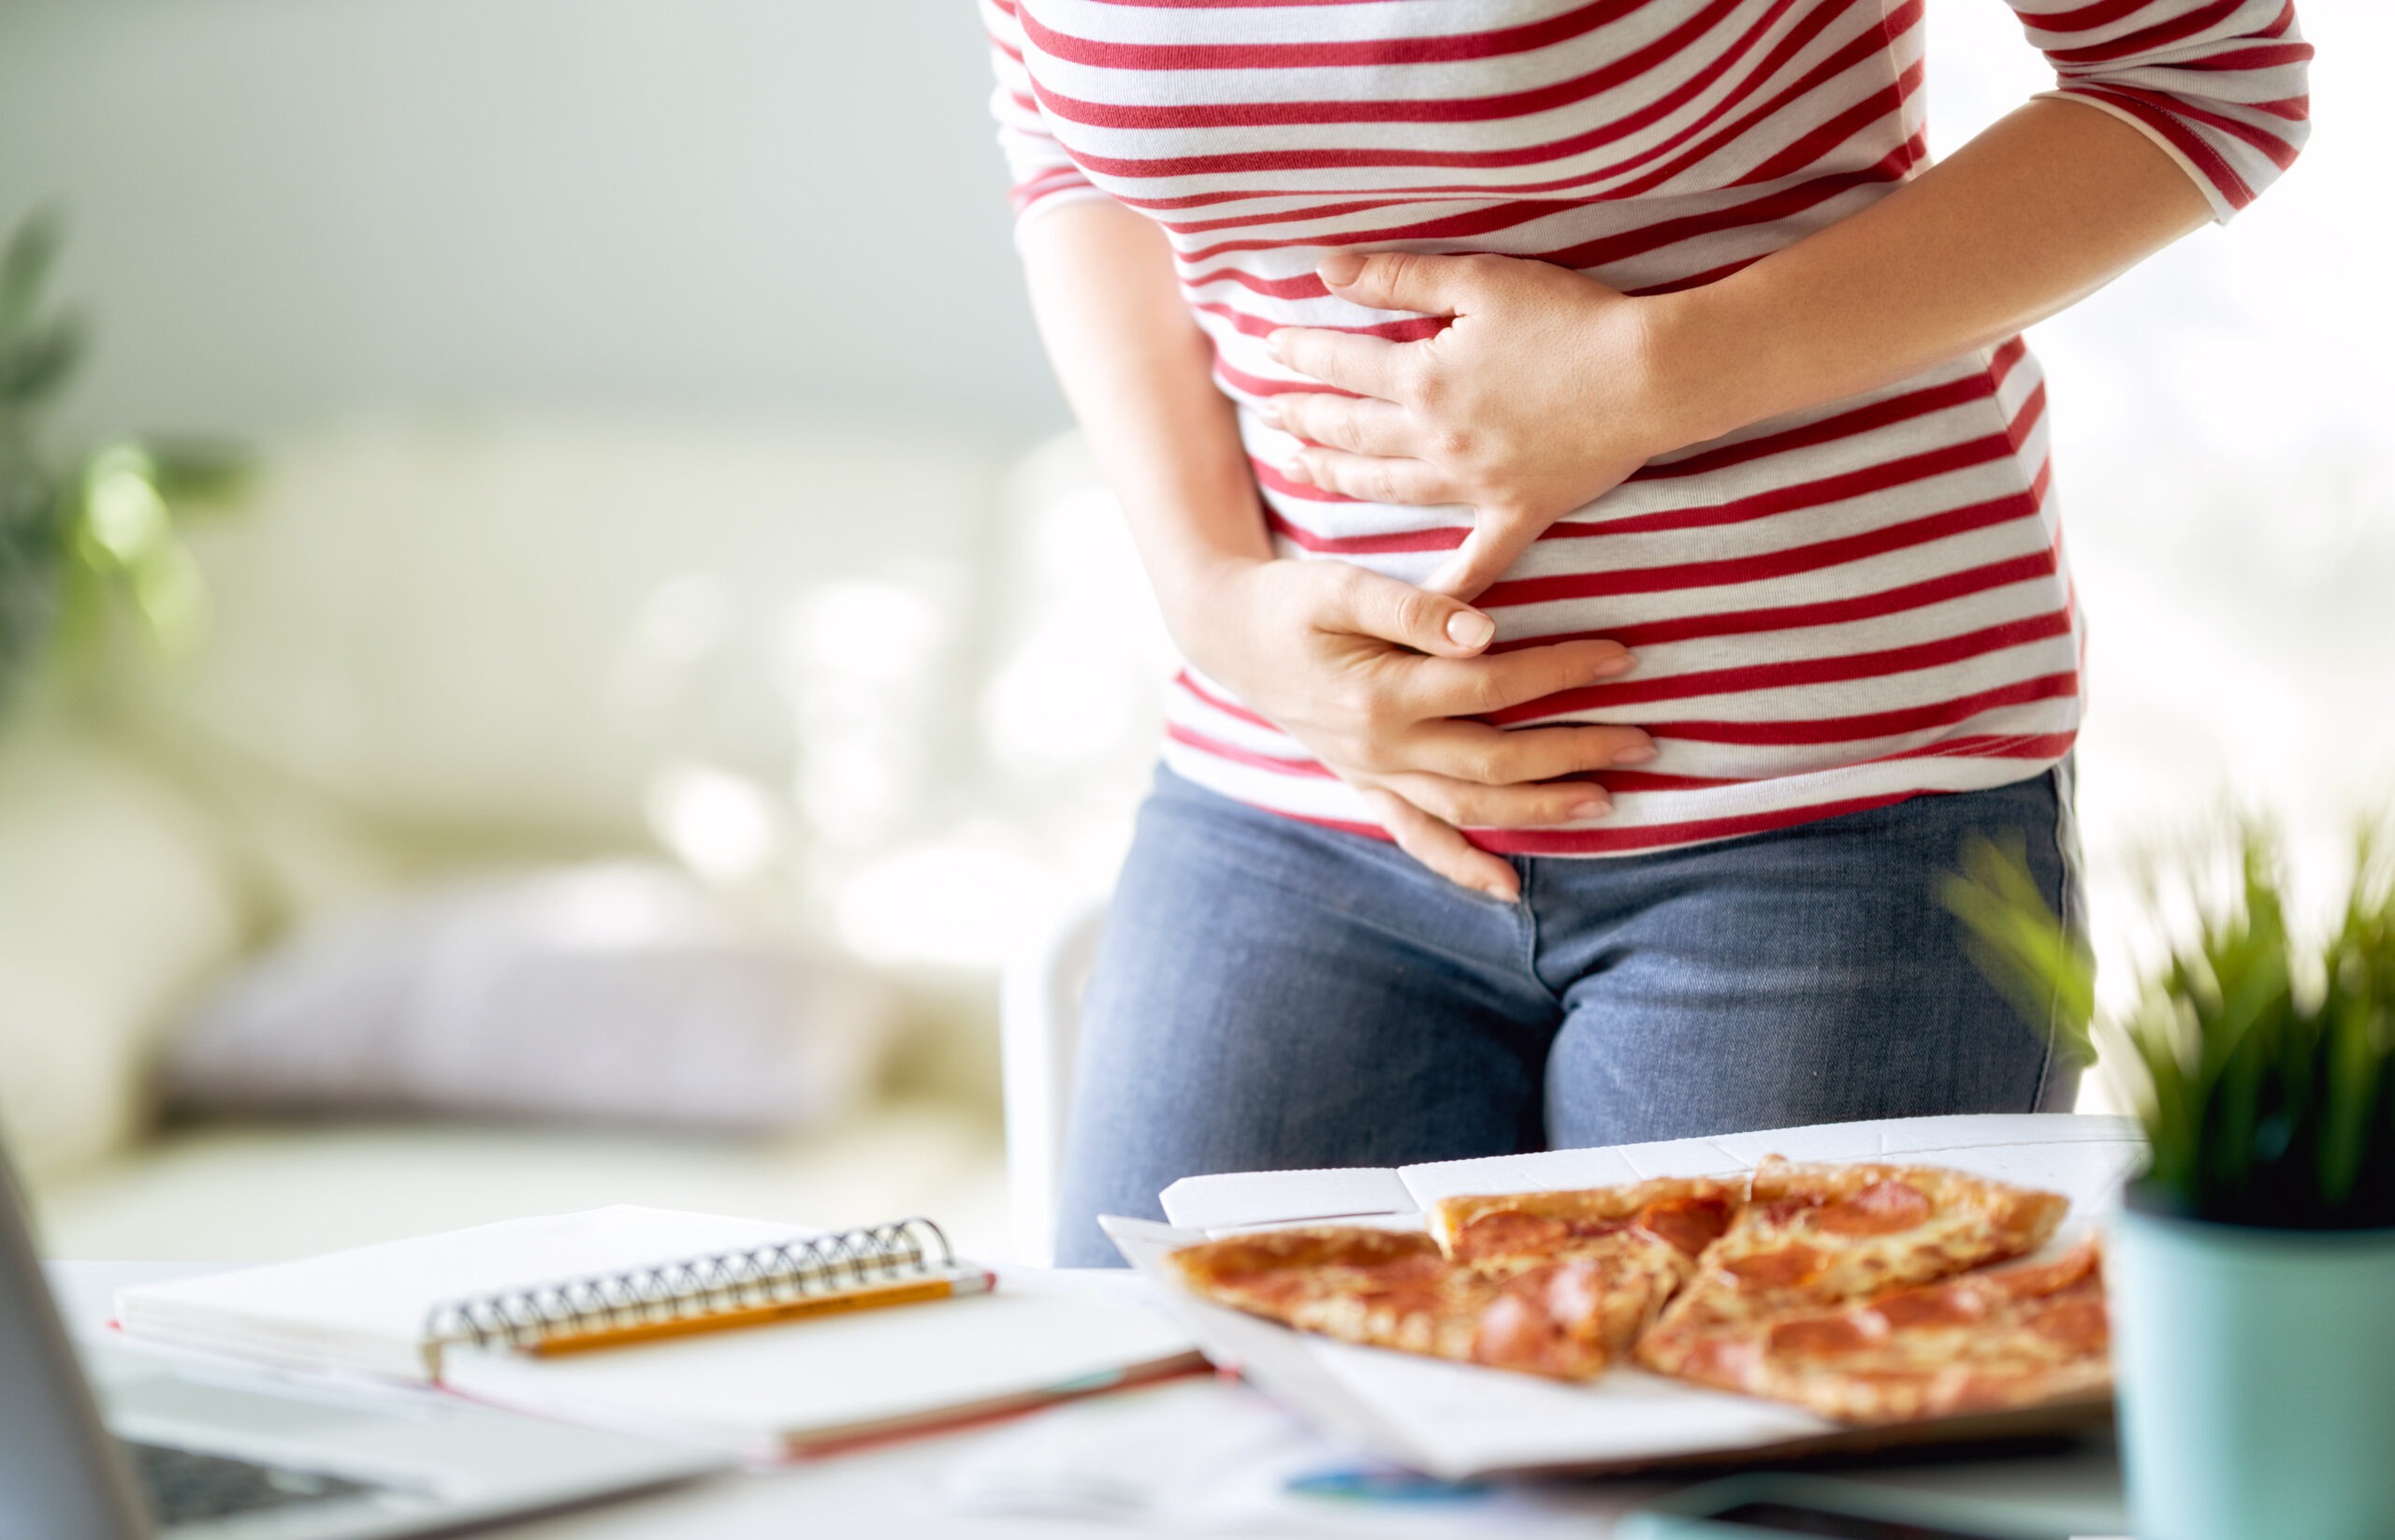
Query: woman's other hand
pixel 1538 396
pixel 1378 679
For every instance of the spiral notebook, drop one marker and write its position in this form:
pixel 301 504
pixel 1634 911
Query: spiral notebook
pixel 590 1317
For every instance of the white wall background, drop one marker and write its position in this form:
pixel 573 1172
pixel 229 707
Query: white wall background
pixel 290 210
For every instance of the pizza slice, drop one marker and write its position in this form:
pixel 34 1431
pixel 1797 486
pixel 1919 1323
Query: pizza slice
pixel 1393 1288
pixel 2026 1335
pixel 1817 1236
pixel 1642 1239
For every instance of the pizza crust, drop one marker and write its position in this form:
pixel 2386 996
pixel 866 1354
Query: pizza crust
pixel 1385 1288
pixel 1679 1210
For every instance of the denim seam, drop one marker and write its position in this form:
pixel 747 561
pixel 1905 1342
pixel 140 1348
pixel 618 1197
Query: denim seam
pixel 2066 887
pixel 1526 867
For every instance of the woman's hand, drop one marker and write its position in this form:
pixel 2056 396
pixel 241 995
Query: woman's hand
pixel 1540 395
pixel 1377 679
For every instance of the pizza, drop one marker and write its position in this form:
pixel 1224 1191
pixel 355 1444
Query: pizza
pixel 1864 1292
pixel 1394 1288
pixel 2030 1334
pixel 1643 1238
pixel 1815 1237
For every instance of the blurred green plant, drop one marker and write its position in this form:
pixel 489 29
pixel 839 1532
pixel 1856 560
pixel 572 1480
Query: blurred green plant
pixel 77 531
pixel 2263 1068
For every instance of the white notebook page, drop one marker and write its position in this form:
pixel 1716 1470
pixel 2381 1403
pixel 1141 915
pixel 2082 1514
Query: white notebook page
pixel 363 1311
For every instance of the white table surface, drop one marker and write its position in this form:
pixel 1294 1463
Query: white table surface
pixel 894 1491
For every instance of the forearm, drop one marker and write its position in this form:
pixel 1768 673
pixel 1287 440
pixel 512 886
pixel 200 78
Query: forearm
pixel 2043 208
pixel 1139 375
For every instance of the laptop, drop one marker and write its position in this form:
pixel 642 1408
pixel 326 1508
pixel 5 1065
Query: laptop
pixel 116 1444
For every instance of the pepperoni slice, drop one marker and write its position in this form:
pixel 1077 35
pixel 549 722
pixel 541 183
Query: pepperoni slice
pixel 1403 1299
pixel 1514 1333
pixel 1782 1268
pixel 1927 1307
pixel 1509 1233
pixel 1882 1208
pixel 1823 1336
pixel 1575 1293
pixel 1779 1210
pixel 2078 1324
pixel 1688 1225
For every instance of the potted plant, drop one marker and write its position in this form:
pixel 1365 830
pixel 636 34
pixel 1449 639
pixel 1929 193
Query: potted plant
pixel 2252 1266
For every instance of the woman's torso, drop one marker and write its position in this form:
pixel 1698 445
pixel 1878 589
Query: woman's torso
pixel 1832 610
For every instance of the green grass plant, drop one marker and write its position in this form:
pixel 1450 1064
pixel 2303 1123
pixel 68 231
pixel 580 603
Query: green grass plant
pixel 2261 1064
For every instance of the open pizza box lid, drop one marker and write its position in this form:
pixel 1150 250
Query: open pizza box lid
pixel 1457 1420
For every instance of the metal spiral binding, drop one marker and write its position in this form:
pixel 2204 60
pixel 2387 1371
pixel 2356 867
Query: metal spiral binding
pixel 802 1267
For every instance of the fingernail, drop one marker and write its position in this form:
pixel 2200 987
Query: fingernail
pixel 1503 896
pixel 1270 413
pixel 1273 342
pixel 1593 807
pixel 1637 753
pixel 1340 269
pixel 1296 471
pixel 1470 629
pixel 1613 667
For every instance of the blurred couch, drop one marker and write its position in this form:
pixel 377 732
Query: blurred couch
pixel 872 684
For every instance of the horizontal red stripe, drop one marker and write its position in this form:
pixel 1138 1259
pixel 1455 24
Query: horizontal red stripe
pixel 1613 74
pixel 1843 425
pixel 1809 25
pixel 1647 836
pixel 1440 48
pixel 2208 162
pixel 1755 569
pixel 2176 24
pixel 1222 703
pixel 1237 755
pixel 1874 724
pixel 1940 590
pixel 1794 672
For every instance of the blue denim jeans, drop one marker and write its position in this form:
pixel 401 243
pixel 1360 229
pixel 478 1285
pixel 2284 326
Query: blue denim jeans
pixel 1273 995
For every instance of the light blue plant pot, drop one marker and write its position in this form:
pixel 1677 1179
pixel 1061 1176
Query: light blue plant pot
pixel 2256 1379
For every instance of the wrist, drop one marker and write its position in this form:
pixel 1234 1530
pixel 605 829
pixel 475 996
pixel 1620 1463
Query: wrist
pixel 1200 600
pixel 1707 363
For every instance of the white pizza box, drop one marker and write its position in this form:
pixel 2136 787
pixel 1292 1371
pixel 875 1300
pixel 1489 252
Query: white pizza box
pixel 1457 1420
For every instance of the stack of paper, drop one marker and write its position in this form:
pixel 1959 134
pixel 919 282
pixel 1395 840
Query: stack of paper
pixel 767 1391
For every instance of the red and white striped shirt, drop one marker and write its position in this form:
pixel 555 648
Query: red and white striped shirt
pixel 1833 610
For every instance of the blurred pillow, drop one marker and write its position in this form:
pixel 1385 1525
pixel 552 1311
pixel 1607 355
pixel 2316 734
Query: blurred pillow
pixel 115 899
pixel 618 993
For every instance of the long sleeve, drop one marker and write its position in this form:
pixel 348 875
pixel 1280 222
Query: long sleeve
pixel 1043 174
pixel 2218 84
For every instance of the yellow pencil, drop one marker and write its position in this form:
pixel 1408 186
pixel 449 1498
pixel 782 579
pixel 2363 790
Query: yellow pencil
pixel 782 1310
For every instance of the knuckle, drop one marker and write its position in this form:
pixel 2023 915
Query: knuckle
pixel 1486 765
pixel 1426 386
pixel 1486 691
pixel 1358 750
pixel 1449 442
